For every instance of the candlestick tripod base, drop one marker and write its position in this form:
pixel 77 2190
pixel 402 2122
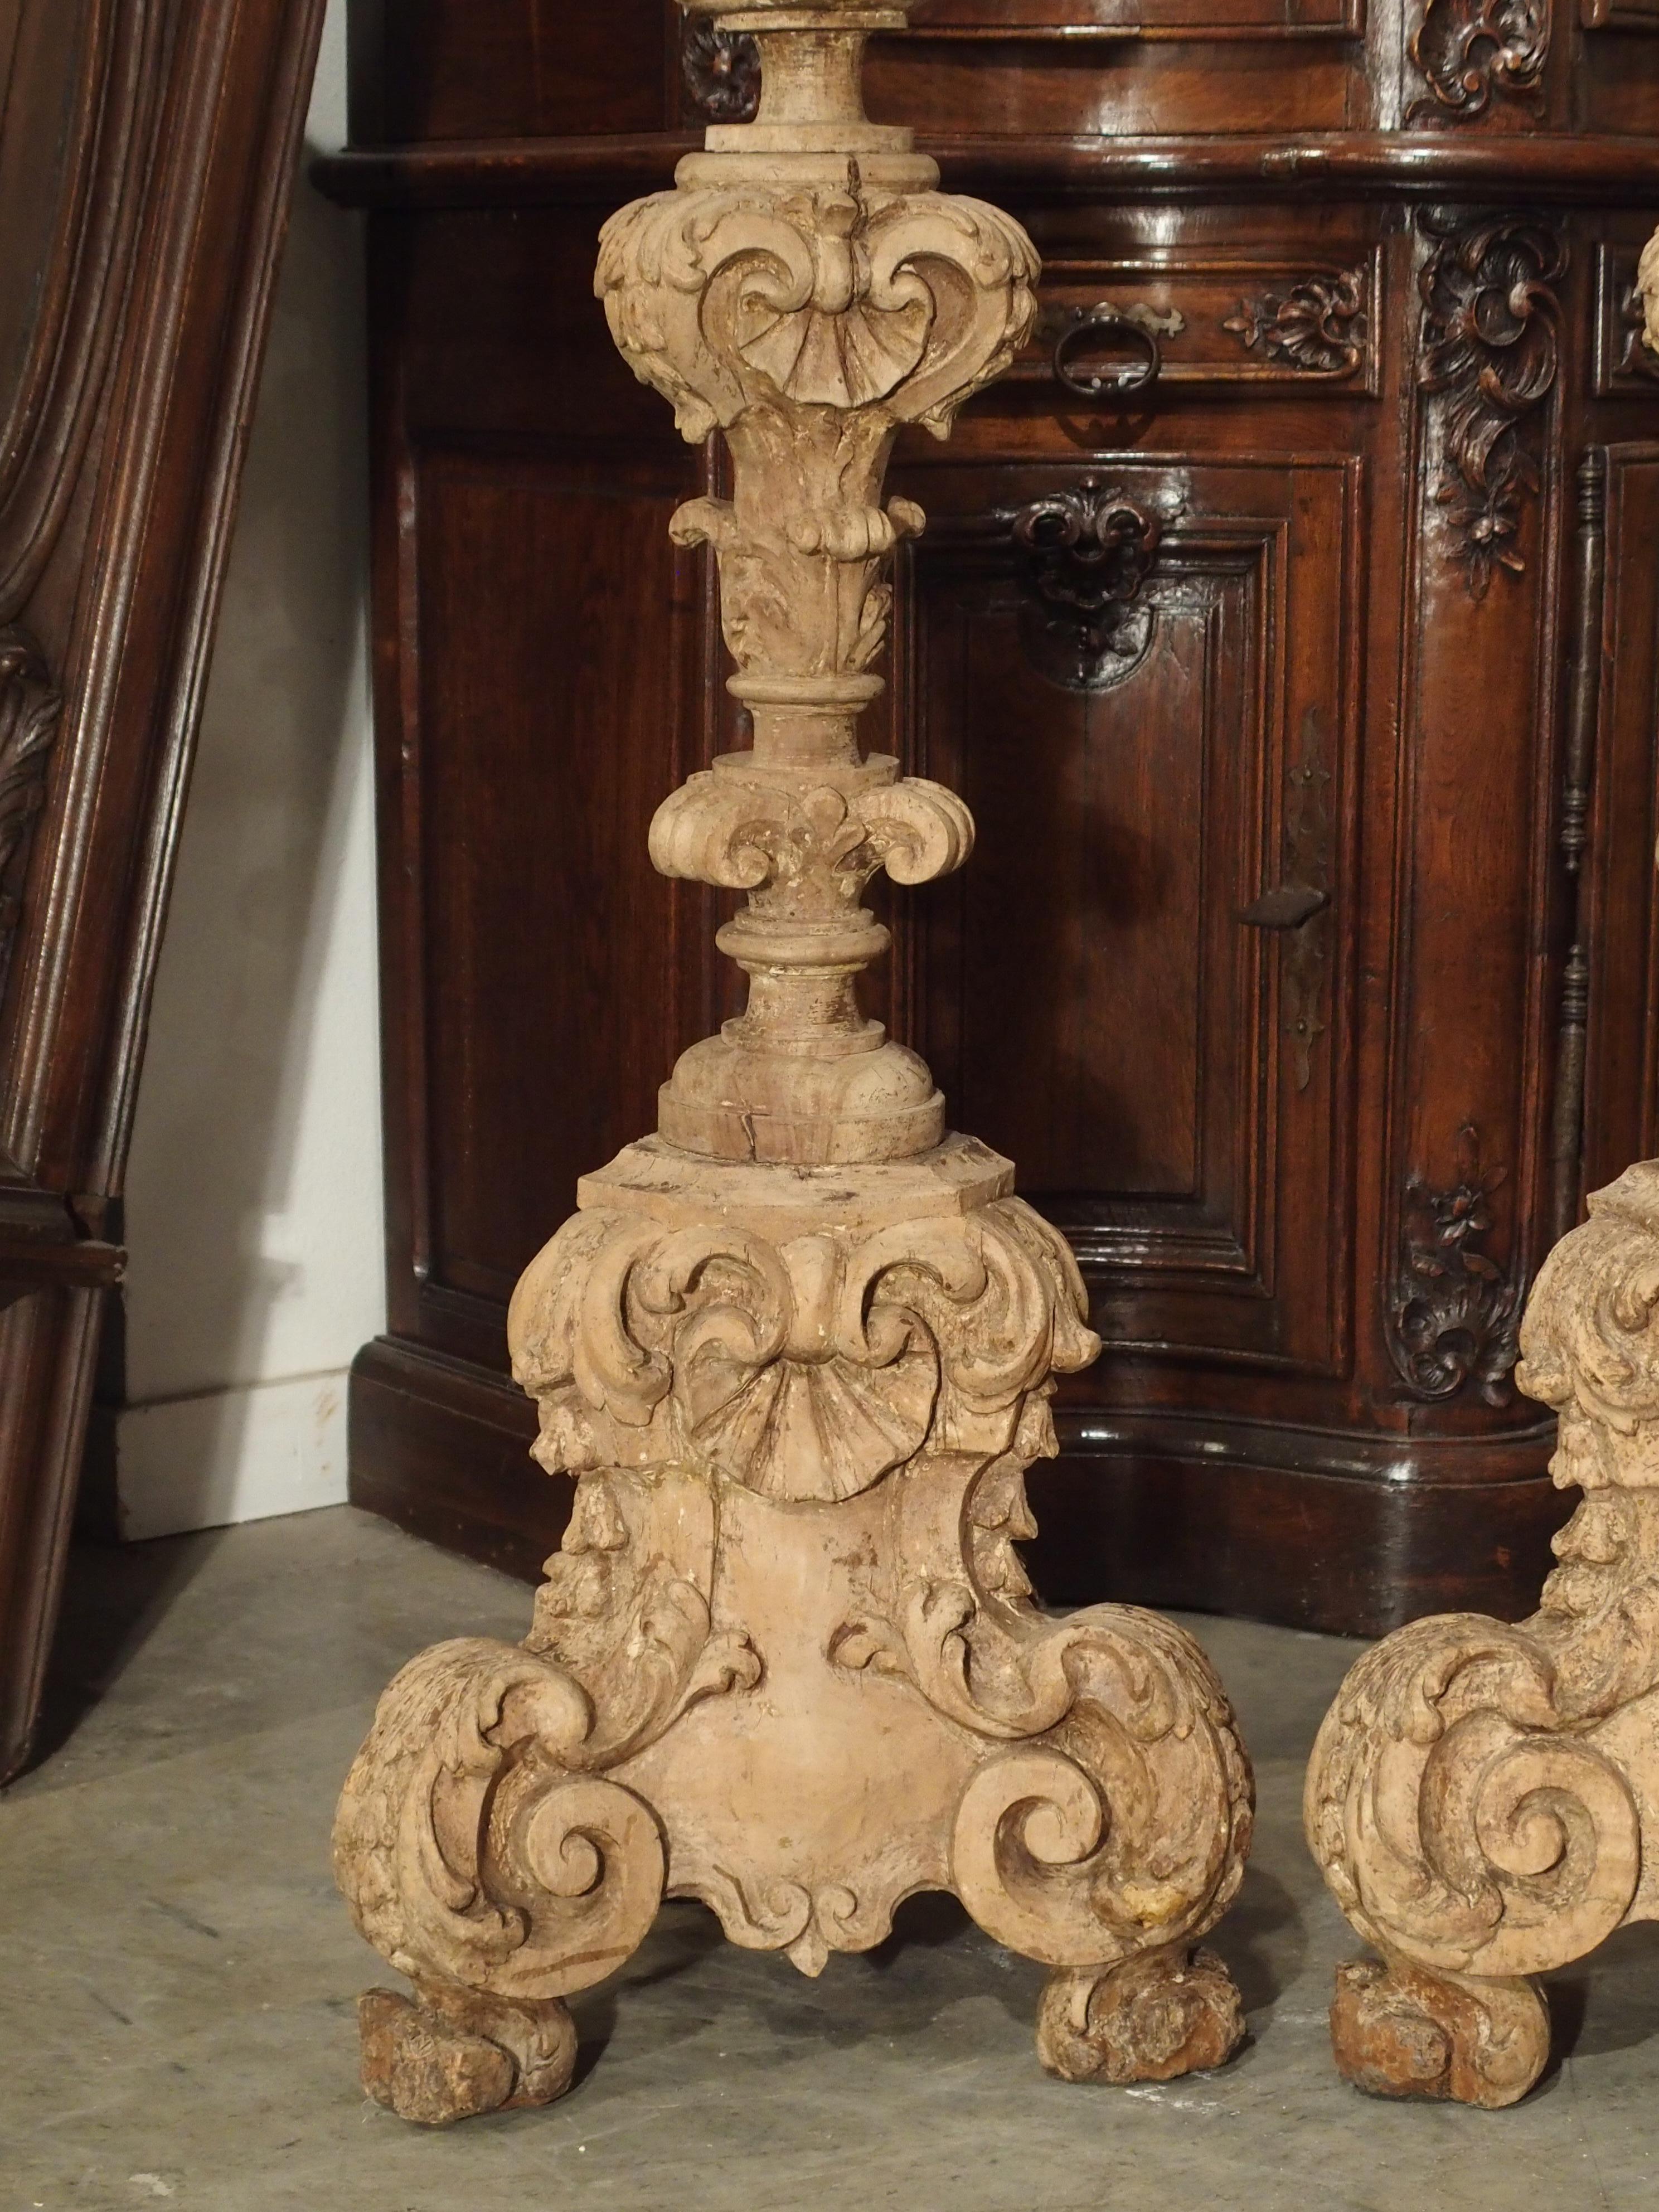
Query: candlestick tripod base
pixel 786 1661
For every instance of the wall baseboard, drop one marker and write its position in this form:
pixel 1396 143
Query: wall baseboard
pixel 244 1453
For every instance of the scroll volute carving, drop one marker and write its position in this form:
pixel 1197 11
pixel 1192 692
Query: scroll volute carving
pixel 1647 301
pixel 1477 1799
pixel 1491 357
pixel 1453 1312
pixel 1471 52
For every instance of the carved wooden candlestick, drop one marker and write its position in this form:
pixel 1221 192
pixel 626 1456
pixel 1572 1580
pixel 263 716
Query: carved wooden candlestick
pixel 1483 1799
pixel 798 1347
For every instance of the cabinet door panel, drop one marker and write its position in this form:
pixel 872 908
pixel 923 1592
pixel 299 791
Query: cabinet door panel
pixel 1621 1089
pixel 1153 1024
pixel 547 737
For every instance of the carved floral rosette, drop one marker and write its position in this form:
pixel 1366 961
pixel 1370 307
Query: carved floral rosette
pixel 1482 1798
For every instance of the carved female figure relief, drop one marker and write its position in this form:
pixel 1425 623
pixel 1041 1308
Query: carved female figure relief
pixel 797 1349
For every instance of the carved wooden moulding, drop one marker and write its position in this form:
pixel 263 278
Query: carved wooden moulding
pixel 798 1348
pixel 1484 1800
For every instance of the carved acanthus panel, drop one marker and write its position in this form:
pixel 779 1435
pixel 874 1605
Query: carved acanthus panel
pixel 1491 344
pixel 807 1368
pixel 1088 554
pixel 1470 51
pixel 1452 1312
pixel 1318 325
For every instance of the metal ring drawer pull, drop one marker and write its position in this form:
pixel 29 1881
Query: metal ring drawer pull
pixel 1116 382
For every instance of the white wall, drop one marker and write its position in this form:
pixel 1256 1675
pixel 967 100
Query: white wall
pixel 253 1194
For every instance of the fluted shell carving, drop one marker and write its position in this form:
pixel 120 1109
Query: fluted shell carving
pixel 1470 1799
pixel 831 296
pixel 808 324
pixel 806 1369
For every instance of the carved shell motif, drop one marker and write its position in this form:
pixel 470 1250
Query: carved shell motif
pixel 831 296
pixel 802 1370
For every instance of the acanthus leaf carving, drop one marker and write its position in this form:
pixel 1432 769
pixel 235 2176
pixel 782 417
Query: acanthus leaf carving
pixel 1476 1797
pixel 1454 1315
pixel 1490 347
pixel 1318 325
pixel 808 327
pixel 1469 50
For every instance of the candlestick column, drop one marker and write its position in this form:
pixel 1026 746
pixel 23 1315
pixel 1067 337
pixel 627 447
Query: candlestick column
pixel 798 1347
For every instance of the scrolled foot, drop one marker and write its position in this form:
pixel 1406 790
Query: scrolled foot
pixel 448 2053
pixel 1399 2032
pixel 1148 2020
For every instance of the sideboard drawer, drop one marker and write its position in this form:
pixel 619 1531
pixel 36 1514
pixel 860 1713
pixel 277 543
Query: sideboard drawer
pixel 1212 320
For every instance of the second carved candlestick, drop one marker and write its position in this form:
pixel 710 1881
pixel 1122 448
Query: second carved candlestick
pixel 798 1347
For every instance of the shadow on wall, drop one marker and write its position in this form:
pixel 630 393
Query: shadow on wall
pixel 254 1202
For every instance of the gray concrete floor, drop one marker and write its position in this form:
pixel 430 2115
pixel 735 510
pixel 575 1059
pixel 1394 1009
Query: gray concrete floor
pixel 176 2004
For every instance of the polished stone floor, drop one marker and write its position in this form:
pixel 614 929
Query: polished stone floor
pixel 176 2003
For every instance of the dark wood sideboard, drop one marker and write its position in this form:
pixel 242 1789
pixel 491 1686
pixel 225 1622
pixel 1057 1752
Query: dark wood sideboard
pixel 1297 658
pixel 147 152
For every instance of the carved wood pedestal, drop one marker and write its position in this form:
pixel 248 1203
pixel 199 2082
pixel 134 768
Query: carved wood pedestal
pixel 1483 1799
pixel 798 1348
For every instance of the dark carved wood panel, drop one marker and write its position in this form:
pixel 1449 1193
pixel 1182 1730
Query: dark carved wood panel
pixel 1625 367
pixel 1149 1028
pixel 539 689
pixel 1221 323
pixel 1620 14
pixel 1622 926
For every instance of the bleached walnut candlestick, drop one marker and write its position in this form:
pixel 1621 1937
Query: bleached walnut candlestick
pixel 1483 1799
pixel 798 1347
